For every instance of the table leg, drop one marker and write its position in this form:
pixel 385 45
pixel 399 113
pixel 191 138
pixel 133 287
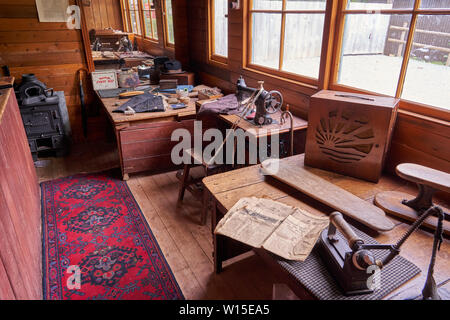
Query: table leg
pixel 125 177
pixel 218 242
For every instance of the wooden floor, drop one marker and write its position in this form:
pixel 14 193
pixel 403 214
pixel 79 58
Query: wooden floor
pixel 186 245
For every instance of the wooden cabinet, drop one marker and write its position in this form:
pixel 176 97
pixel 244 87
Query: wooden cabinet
pixel 20 218
pixel 350 133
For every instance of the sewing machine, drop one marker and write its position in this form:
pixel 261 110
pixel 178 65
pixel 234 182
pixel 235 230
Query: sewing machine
pixel 267 103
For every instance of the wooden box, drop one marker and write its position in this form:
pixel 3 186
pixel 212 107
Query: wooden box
pixel 184 79
pixel 350 133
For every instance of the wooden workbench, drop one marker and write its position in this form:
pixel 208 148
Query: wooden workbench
pixel 260 131
pixel 227 188
pixel 143 139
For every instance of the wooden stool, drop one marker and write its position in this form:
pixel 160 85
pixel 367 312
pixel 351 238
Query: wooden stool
pixel 190 179
pixel 406 206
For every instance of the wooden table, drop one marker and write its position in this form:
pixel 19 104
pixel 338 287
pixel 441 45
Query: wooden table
pixel 227 188
pixel 143 139
pixel 261 131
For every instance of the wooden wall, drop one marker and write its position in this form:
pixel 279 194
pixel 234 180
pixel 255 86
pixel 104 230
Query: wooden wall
pixel 416 138
pixel 20 215
pixel 103 14
pixel 51 51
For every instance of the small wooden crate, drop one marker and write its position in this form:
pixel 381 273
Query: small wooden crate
pixel 350 133
pixel 185 78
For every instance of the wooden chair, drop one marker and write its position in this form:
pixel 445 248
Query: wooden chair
pixel 191 179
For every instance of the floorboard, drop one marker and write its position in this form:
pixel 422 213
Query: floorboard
pixel 187 246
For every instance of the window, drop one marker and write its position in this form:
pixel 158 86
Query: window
pixel 135 17
pixel 286 35
pixel 168 23
pixel 398 48
pixel 218 30
pixel 126 26
pixel 149 18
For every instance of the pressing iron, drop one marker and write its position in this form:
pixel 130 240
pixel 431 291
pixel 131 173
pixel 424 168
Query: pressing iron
pixel 351 261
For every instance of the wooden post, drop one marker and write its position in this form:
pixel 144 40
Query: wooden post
pixel 402 38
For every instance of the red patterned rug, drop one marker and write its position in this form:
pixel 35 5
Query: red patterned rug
pixel 98 245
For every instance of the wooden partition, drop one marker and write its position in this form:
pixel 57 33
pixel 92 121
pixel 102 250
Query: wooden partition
pixel 54 53
pixel 20 217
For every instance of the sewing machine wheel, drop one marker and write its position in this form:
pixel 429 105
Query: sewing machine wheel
pixel 274 101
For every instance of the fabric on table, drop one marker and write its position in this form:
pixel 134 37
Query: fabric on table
pixel 225 105
pixel 143 103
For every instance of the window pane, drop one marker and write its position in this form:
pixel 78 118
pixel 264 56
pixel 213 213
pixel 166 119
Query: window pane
pixel 138 23
pixel 266 39
pixel 432 4
pixel 133 4
pixel 145 5
pixel 428 74
pixel 305 5
pixel 380 4
pixel 303 44
pixel 267 4
pixel 133 21
pixel 372 51
pixel 148 24
pixel 221 27
pixel 155 26
pixel 169 21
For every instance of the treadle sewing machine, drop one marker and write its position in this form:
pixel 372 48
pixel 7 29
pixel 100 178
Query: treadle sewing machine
pixel 267 102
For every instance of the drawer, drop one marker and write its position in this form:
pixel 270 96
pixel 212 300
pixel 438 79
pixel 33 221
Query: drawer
pixel 152 163
pixel 141 149
pixel 154 131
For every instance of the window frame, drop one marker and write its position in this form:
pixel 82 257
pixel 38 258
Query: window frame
pixel 333 32
pixel 301 79
pixel 142 11
pixel 212 57
pixel 124 5
pixel 415 11
pixel 167 44
pixel 139 15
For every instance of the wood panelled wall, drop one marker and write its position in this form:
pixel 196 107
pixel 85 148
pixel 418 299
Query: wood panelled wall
pixel 101 14
pixel 51 51
pixel 416 138
pixel 20 214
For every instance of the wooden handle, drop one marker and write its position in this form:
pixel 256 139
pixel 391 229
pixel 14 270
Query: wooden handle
pixel 338 220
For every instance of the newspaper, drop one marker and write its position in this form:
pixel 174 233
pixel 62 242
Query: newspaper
pixel 288 232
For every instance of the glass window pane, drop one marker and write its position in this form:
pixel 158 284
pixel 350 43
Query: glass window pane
pixel 267 4
pixel 266 30
pixel 155 26
pixel 133 4
pixel 221 27
pixel 428 75
pixel 305 5
pixel 133 21
pixel 435 4
pixel 372 51
pixel 147 24
pixel 169 21
pixel 145 5
pixel 380 4
pixel 138 23
pixel 303 44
